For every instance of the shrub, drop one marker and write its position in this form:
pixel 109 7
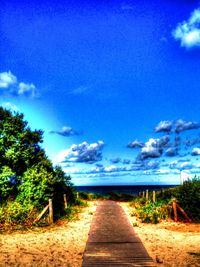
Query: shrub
pixel 15 213
pixel 80 202
pixel 154 211
pixel 188 197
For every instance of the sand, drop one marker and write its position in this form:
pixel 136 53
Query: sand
pixel 63 244
pixel 170 244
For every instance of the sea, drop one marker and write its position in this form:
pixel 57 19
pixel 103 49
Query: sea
pixel 124 189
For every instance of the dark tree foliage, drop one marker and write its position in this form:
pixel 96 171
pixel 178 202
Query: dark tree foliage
pixel 188 197
pixel 26 173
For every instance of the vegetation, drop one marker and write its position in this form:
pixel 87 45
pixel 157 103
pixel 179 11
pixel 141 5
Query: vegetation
pixel 116 196
pixel 27 177
pixel 186 195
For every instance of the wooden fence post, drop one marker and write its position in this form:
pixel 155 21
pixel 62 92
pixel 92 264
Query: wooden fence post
pixel 175 211
pixel 50 211
pixel 77 194
pixel 65 201
pixel 183 212
pixel 143 194
pixel 154 196
pixel 147 194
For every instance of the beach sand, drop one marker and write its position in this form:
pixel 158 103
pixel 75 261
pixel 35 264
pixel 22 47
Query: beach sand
pixel 170 244
pixel 63 244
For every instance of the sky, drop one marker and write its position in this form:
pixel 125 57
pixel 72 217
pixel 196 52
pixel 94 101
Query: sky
pixel 114 85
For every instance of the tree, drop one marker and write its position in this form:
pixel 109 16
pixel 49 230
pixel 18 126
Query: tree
pixel 19 146
pixel 36 185
pixel 7 177
pixel 24 167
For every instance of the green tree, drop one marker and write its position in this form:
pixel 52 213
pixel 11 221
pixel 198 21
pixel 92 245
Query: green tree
pixel 24 167
pixel 7 177
pixel 19 146
pixel 37 185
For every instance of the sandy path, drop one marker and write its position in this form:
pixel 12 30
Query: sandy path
pixel 170 244
pixel 60 245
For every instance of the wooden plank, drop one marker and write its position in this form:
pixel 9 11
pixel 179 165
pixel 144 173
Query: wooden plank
pixel 112 240
pixel 41 214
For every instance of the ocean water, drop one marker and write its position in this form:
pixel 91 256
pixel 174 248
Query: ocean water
pixel 127 189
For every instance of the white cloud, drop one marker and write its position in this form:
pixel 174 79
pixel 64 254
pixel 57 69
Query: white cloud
pixel 151 149
pixel 84 153
pixel 10 86
pixel 188 32
pixel 163 171
pixel 163 126
pixel 182 125
pixel 111 168
pixel 27 89
pixel 186 165
pixel 10 106
pixel 171 152
pixel 152 165
pixel 66 131
pixel 195 151
pixel 173 164
pixel 7 79
pixel 135 144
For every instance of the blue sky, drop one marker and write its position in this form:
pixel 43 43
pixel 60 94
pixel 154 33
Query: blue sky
pixel 114 85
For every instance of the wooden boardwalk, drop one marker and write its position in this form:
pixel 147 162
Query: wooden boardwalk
pixel 112 240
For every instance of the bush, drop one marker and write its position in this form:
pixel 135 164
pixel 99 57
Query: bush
pixel 154 212
pixel 15 213
pixel 88 196
pixel 188 197
pixel 80 202
pixel 117 196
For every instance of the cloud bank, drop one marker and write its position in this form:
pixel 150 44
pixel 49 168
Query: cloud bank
pixel 157 147
pixel 188 32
